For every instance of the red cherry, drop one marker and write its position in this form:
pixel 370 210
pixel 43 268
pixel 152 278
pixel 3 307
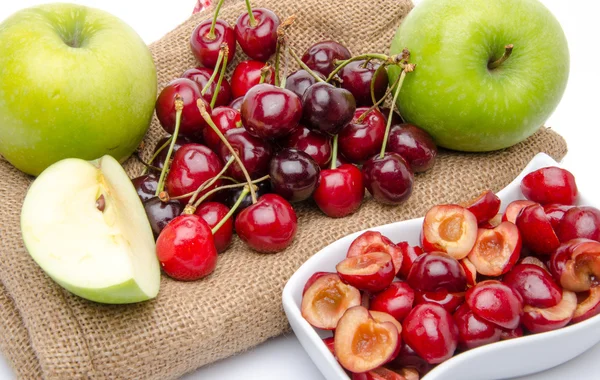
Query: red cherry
pixel 247 75
pixel 397 300
pixel 356 77
pixel 206 49
pixel 186 249
pixel 191 119
pixel 258 41
pixel 495 302
pixel 340 191
pixel 579 222
pixel 437 271
pixel 269 225
pixel 360 141
pixel 298 81
pixel 225 118
pixel 254 153
pixel 201 75
pixel 236 103
pixel 474 331
pixel 550 185
pixel 314 143
pixel 322 56
pixel 159 160
pixel 414 145
pixel 389 178
pixel 212 213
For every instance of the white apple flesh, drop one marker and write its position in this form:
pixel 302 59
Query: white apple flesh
pixel 84 225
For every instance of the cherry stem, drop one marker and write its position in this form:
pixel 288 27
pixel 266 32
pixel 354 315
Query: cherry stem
pixel 387 93
pixel 211 32
pixel 344 63
pixel 225 52
pixel 215 72
pixel 237 203
pixel 507 52
pixel 147 166
pixel 389 120
pixel 232 186
pixel 334 151
pixel 264 72
pixel 209 121
pixel 209 182
pixel 282 43
pixel 178 110
pixel 252 20
pixel 306 68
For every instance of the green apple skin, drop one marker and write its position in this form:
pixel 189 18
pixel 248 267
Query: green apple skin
pixel 455 97
pixel 59 101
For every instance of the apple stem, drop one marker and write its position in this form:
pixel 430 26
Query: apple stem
pixel 252 20
pixel 400 81
pixel 387 93
pixel 232 186
pixel 215 71
pixel 237 203
pixel 225 52
pixel 163 173
pixel 211 32
pixel 206 116
pixel 507 52
pixel 342 64
pixel 334 152
pixel 265 72
pixel 208 183
pixel 282 43
pixel 304 67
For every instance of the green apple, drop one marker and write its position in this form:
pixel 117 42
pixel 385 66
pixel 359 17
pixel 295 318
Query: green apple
pixel 74 82
pixel 84 225
pixel 456 93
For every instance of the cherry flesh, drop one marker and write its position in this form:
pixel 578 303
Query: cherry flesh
pixel 254 153
pixel 314 143
pixel 414 145
pixel 327 108
pixel 373 241
pixel 160 213
pixel 258 41
pixel 322 56
pixel 389 179
pixel 191 119
pixel 247 75
pixel 360 141
pixel 298 81
pixel 436 271
pixel 212 213
pixel 145 186
pixel 579 222
pixel 550 185
pixel 225 118
pixel 294 174
pixel 201 75
pixel 340 191
pixel 206 49
pixel 357 76
pixel 159 160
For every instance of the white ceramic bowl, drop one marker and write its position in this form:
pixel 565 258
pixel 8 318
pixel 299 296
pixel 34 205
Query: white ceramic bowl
pixel 511 358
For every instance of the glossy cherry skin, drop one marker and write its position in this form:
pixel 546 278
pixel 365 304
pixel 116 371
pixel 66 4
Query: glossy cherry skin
pixel 212 213
pixel 409 255
pixel 447 300
pixel 269 225
pixel 356 77
pixel 474 331
pixel 322 56
pixel 536 230
pixel 258 41
pixel 159 160
pixel 247 75
pixel 254 153
pixel 327 108
pixel 160 213
pixel 495 302
pixel 225 118
pixel 206 49
pixel 201 75
pixel 186 249
pixel 555 213
pixel 388 179
pixel 414 145
pixel 485 206
pixel 314 143
pixel 191 119
pixel 294 174
pixel 397 300
pixel 360 141
pixel 550 185
pixel 236 103
pixel 232 195
pixel 192 165
pixel 408 358
pixel 298 81
pixel 396 118
pixel 436 271
pixel 340 191
pixel 270 112
pixel 535 285
pixel 145 186
pixel 579 222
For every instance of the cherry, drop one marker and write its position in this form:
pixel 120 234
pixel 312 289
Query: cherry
pixel 414 145
pixel 340 191
pixel 322 56
pixel 193 165
pixel 356 77
pixel 159 160
pixel 160 213
pixel 447 300
pixel 269 225
pixel 270 112
pixel 408 358
pixel 298 81
pixel 201 76
pixel 550 185
pixel 579 222
pixel 327 108
pixel 225 118
pixel 555 213
pixel 495 302
pixel 294 174
pixel 247 75
pixel 236 103
pixel 186 249
pixel 212 213
pixel 397 300
pixel 474 331
pixel 409 255
pixel 396 118
pixel 206 47
pixel 145 186
pixel 359 140
pixel 191 119
pixel 257 34
pixel 437 271
pixel 254 153
pixel 232 195
pixel 534 284
pixel 388 178
pixel 314 143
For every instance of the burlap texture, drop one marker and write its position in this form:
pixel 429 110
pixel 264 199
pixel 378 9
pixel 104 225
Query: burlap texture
pixel 45 332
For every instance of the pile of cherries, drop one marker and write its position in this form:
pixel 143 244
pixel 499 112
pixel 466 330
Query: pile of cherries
pixel 477 277
pixel 248 146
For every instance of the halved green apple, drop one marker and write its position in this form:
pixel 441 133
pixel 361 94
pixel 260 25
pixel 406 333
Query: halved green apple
pixel 84 225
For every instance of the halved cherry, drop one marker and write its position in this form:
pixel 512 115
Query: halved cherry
pixel 534 284
pixel 536 230
pixel 436 271
pixel 363 344
pixel 555 213
pixel 511 334
pixel 381 316
pixel 495 302
pixel 447 300
pixel 470 271
pixel 314 278
pixel 408 358
pixel 588 305
pixel 534 261
pixel 326 300
pixel 538 320
pixel 492 223
pixel 474 331
pixel 372 241
pixel 383 373
pixel 449 228
pixel 485 206
pixel 397 300
pixel 513 209
pixel 371 272
pixel 576 265
pixel 496 250
pixel 550 185
pixel 579 222
pixel 409 255
pixel 329 343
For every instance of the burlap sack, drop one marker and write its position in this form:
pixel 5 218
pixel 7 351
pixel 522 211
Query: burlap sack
pixel 45 332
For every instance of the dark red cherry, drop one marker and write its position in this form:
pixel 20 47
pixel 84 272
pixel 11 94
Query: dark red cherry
pixel 555 213
pixel 236 103
pixel 294 174
pixel 314 143
pixel 145 186
pixel 206 49
pixel 340 191
pixel 193 164
pixel 327 108
pixel 254 153
pixel 356 78
pixel 550 185
pixel 160 213
pixel 247 75
pixel 579 222
pixel 269 225
pixel 191 119
pixel 258 41
pixel 474 331
pixel 360 141
pixel 232 195
pixel 201 75
pixel 396 118
pixel 300 80
pixel 388 179
pixel 212 213
pixel 437 271
pixel 322 56
pixel 225 118
pixel 159 160
pixel 414 145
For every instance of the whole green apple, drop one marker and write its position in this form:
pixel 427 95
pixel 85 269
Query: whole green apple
pixel 463 91
pixel 74 82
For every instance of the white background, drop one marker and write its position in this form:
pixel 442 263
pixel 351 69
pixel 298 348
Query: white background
pixel 576 119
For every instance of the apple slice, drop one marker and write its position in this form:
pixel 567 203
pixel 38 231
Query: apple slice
pixel 496 250
pixel 84 225
pixel 538 320
pixel 449 228
pixel 589 306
